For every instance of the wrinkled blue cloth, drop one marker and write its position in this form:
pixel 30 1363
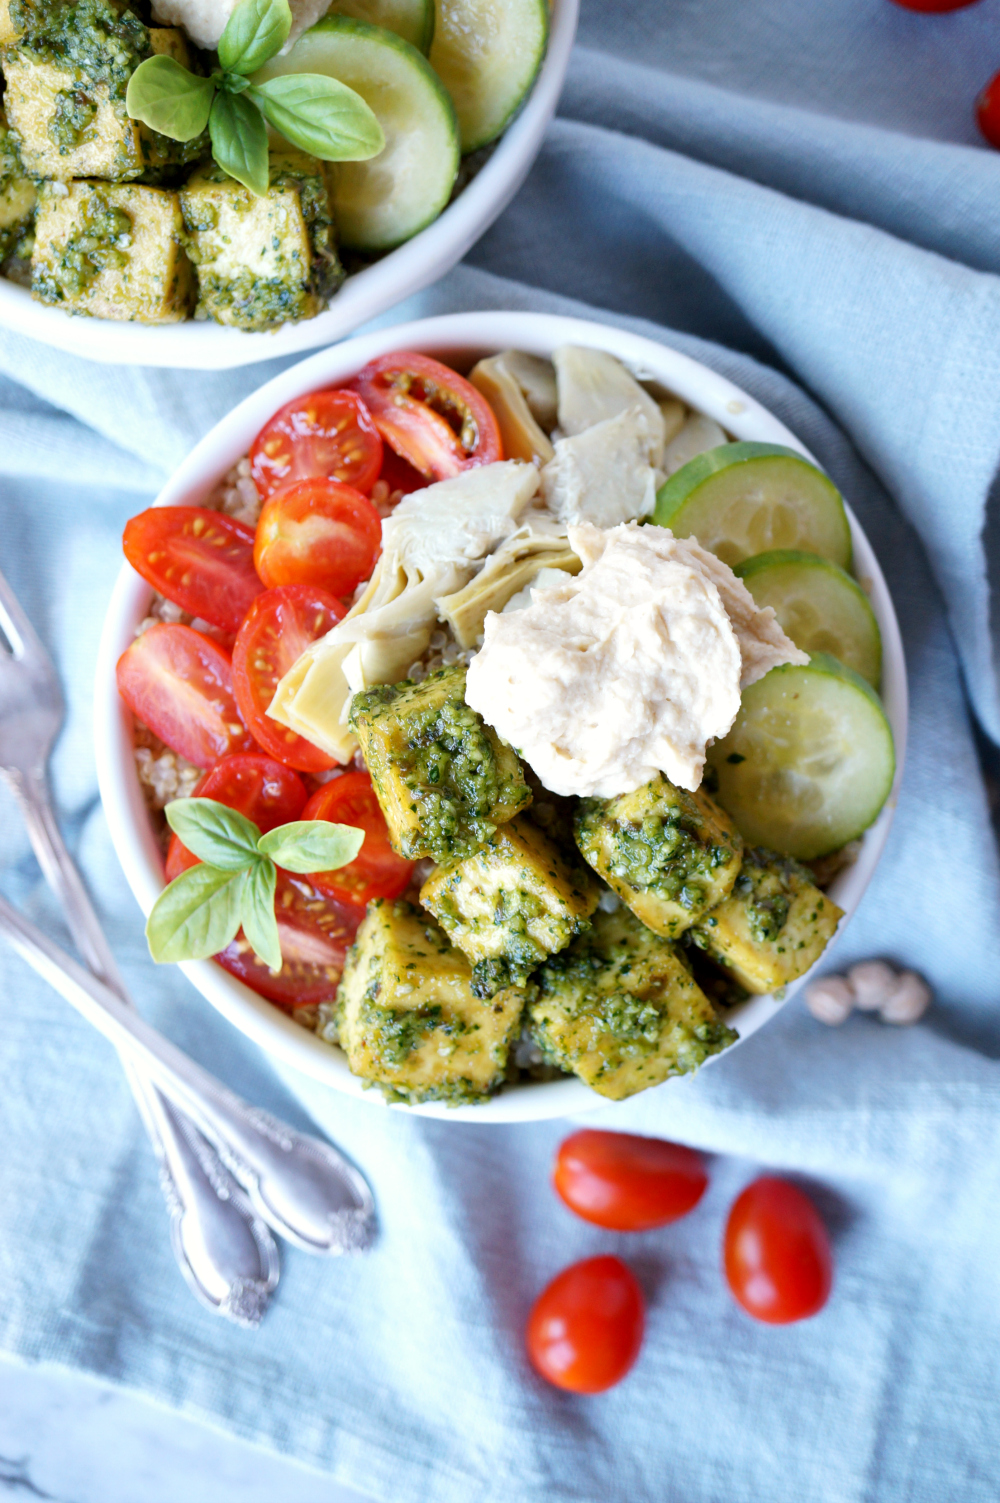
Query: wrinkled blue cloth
pixel 795 194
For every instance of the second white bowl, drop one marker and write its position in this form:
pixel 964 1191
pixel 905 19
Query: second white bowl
pixel 460 339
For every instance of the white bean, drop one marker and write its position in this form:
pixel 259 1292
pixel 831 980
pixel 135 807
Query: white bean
pixel 874 983
pixel 830 1000
pixel 908 1002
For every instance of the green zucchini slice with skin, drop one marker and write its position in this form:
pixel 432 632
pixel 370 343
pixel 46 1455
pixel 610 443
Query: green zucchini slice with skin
pixel 382 202
pixel 818 605
pixel 742 499
pixel 488 53
pixel 413 20
pixel 809 761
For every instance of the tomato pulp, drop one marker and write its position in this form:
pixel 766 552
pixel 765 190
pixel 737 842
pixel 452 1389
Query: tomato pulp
pixel 317 532
pixel 327 433
pixel 429 415
pixel 777 1253
pixel 181 685
pixel 256 786
pixel 200 559
pixel 376 871
pixel 279 627
pixel 585 1329
pixel 315 932
pixel 627 1183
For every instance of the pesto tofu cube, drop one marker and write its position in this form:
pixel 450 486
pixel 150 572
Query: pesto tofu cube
pixel 408 1019
pixel 262 261
pixel 621 1010
pixel 772 927
pixel 113 250
pixel 17 198
pixel 512 904
pixel 444 778
pixel 669 854
pixel 10 29
pixel 65 96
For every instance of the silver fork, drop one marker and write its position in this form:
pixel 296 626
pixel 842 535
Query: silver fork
pixel 225 1250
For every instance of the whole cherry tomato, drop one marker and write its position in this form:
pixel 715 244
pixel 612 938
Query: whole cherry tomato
pixel 181 685
pixel 988 111
pixel 777 1253
pixel 200 559
pixel 280 625
pixel 430 415
pixel 934 5
pixel 256 786
pixel 317 532
pixel 585 1329
pixel 327 433
pixel 376 871
pixel 627 1183
pixel 315 932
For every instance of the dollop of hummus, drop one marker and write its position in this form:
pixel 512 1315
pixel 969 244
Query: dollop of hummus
pixel 627 669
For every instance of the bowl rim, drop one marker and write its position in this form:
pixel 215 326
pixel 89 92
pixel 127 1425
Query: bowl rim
pixel 463 337
pixel 365 295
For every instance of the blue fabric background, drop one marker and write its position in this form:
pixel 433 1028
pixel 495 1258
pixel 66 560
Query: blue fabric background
pixel 793 192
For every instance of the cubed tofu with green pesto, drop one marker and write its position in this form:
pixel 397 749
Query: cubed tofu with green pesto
pixel 621 1010
pixel 18 195
pixel 669 854
pixel 408 1019
pixel 65 96
pixel 512 904
pixel 112 250
pixel 262 261
pixel 772 927
pixel 444 778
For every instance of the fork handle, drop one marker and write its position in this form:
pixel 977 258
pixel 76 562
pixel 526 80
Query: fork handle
pixel 226 1253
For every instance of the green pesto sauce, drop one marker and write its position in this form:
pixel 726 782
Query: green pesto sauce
pixel 252 303
pixel 17 237
pixel 94 247
pixel 447 762
pixel 767 884
pixel 73 114
pixel 661 854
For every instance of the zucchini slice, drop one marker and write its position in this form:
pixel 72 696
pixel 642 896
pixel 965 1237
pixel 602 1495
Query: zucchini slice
pixel 413 20
pixel 488 53
pixel 818 605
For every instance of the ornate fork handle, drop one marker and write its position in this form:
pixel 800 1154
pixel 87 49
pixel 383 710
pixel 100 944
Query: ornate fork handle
pixel 301 1186
pixel 225 1251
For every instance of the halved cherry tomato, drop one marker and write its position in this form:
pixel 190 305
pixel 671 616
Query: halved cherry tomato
pixel 430 415
pixel 181 685
pixel 200 559
pixel 585 1329
pixel 627 1183
pixel 256 786
pixel 327 433
pixel 317 532
pixel 777 1253
pixel 988 111
pixel 376 871
pixel 398 475
pixel 315 933
pixel 279 627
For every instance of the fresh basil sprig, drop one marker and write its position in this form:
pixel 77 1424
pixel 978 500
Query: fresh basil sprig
pixel 318 114
pixel 200 912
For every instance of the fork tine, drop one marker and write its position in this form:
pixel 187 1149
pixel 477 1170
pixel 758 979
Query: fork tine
pixel 15 625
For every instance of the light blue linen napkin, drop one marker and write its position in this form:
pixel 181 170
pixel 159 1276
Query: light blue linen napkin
pixel 794 195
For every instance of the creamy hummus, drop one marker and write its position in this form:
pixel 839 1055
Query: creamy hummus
pixel 628 669
pixel 205 20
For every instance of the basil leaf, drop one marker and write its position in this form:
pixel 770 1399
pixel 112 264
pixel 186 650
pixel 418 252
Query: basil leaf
pixel 255 31
pixel 259 923
pixel 239 140
pixel 197 915
pixel 312 845
pixel 320 115
pixel 169 99
pixel 214 833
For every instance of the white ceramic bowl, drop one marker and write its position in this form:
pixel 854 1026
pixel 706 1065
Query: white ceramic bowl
pixel 366 294
pixel 462 339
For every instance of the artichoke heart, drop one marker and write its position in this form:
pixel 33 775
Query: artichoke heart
pixel 522 437
pixel 540 543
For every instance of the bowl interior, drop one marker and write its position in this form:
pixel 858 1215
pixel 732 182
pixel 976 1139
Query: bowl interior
pixel 365 295
pixel 459 339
